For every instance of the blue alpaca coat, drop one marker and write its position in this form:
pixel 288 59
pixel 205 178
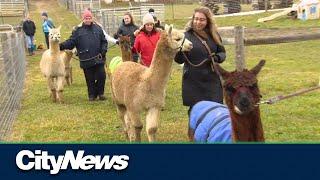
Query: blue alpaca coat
pixel 211 122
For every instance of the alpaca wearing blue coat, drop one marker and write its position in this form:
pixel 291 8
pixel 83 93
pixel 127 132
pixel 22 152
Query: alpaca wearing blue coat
pixel 239 121
pixel 210 122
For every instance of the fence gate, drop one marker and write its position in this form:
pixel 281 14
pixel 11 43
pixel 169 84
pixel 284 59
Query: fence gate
pixel 13 11
pixel 77 6
pixel 112 18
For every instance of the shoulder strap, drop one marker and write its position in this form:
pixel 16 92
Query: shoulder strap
pixel 213 64
pixel 205 44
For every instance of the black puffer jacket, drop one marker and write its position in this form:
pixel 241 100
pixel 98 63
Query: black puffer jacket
pixel 200 83
pixel 29 28
pixel 125 30
pixel 90 42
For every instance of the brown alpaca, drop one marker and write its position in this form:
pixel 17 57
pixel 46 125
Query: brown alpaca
pixel 125 46
pixel 241 96
pixel 66 55
pixel 137 88
pixel 52 66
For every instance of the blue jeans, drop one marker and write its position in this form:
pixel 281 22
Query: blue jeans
pixel 29 41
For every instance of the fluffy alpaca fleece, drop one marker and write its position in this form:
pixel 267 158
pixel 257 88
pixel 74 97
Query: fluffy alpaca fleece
pixel 67 56
pixel 136 88
pixel 125 46
pixel 52 66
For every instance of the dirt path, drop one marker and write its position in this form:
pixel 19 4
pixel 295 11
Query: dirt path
pixel 53 9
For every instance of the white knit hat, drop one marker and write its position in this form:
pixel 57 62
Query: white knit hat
pixel 148 18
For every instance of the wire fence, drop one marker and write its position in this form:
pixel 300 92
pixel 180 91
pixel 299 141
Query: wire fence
pixel 112 18
pixel 12 77
pixel 78 6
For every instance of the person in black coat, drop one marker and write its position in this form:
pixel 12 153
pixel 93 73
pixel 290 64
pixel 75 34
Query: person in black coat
pixel 29 29
pixel 201 83
pixel 127 28
pixel 91 45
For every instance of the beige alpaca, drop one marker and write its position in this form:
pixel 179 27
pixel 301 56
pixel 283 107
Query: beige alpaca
pixel 137 88
pixel 66 55
pixel 52 66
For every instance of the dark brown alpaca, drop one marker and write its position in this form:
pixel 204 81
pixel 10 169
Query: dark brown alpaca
pixel 241 96
pixel 125 46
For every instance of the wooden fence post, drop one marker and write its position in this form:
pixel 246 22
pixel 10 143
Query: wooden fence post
pixel 266 5
pixel 239 43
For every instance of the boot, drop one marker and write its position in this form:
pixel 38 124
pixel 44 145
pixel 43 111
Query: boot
pixel 102 97
pixel 30 51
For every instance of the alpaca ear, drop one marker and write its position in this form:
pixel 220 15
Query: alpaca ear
pixel 258 67
pixel 224 74
pixel 74 51
pixel 168 29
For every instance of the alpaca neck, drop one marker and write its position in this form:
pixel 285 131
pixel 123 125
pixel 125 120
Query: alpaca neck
pixel 247 127
pixel 54 47
pixel 126 54
pixel 161 63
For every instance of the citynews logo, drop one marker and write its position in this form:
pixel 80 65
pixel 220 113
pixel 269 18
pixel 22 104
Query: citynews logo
pixel 40 160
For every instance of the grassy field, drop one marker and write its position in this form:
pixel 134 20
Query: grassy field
pixel 289 67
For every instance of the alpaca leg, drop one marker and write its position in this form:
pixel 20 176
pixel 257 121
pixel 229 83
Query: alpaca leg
pixel 152 123
pixel 60 81
pixel 121 112
pixel 70 75
pixel 135 126
pixel 67 79
pixel 52 88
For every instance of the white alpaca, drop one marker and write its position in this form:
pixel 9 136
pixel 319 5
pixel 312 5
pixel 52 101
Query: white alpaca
pixel 52 66
pixel 136 88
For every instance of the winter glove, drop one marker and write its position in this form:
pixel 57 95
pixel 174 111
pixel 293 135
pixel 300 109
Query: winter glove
pixel 117 42
pixel 61 46
pixel 216 58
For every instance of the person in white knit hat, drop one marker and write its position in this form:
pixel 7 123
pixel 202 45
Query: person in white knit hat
pixel 146 40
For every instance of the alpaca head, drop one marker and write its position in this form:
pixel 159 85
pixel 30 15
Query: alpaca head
pixel 241 89
pixel 54 34
pixel 125 43
pixel 177 40
pixel 70 52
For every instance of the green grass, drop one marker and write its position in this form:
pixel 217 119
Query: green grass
pixel 289 67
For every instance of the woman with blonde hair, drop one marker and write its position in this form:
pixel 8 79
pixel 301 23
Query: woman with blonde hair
pixel 200 81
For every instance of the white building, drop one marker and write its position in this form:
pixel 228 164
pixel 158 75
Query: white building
pixel 308 9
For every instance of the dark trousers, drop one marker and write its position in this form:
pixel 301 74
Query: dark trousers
pixel 96 79
pixel 46 35
pixel 135 57
pixel 189 111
